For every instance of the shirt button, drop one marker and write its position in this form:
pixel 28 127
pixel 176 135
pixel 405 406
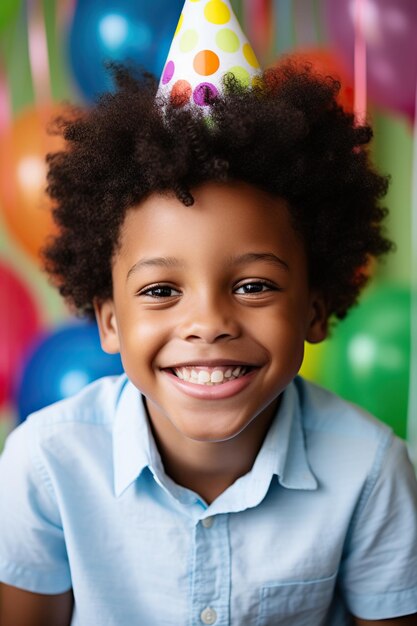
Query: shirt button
pixel 208 523
pixel 208 616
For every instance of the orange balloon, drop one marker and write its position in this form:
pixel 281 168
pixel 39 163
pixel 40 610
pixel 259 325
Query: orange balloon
pixel 25 205
pixel 327 63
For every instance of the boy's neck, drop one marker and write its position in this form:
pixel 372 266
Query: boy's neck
pixel 209 468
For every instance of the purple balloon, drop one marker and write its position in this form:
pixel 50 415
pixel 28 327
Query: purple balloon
pixel 389 28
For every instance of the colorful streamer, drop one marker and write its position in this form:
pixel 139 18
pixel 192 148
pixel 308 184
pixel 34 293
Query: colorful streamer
pixel 259 26
pixel 5 108
pixel 38 52
pixel 305 30
pixel 412 394
pixel 283 26
pixel 360 62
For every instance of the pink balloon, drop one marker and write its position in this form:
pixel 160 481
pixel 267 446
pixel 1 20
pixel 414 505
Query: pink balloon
pixel 19 324
pixel 389 29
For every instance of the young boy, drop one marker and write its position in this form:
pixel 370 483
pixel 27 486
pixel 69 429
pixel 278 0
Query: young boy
pixel 210 484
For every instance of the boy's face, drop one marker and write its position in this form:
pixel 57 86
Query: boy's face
pixel 211 307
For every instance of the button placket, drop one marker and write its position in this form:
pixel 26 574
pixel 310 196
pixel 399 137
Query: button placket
pixel 211 572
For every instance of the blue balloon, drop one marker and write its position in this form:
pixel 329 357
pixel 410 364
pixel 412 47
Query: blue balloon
pixel 61 364
pixel 122 31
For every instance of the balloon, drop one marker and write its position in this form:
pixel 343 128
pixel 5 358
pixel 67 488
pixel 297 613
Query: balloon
pixel 61 364
pixel 389 28
pixel 23 148
pixel 119 30
pixel 313 359
pixel 8 10
pixel 19 323
pixel 367 359
pixel 329 63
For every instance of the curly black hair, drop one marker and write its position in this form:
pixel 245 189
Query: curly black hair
pixel 285 134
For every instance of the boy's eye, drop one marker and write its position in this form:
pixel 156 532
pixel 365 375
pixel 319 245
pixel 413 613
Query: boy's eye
pixel 159 291
pixel 255 287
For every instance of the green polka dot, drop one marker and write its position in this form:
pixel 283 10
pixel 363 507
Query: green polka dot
pixel 241 74
pixel 188 40
pixel 227 40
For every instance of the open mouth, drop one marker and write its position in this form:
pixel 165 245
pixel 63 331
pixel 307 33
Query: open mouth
pixel 210 376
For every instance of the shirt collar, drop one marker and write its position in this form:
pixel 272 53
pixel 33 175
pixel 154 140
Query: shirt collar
pixel 282 454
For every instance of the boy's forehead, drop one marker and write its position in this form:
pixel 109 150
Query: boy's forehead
pixel 231 216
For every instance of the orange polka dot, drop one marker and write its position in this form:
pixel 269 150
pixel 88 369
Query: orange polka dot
pixel 206 62
pixel 181 93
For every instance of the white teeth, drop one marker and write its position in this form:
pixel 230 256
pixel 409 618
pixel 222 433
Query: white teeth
pixel 203 377
pixel 216 376
pixel 209 376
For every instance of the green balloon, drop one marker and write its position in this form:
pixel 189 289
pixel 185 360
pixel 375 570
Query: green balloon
pixel 8 11
pixel 367 359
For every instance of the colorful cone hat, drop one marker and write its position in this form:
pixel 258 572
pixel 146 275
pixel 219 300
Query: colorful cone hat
pixel 207 44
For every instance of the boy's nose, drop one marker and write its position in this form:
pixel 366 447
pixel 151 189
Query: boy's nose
pixel 210 322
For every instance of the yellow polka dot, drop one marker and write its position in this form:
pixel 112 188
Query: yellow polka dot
pixel 241 74
pixel 217 12
pixel 180 21
pixel 189 40
pixel 227 40
pixel 250 55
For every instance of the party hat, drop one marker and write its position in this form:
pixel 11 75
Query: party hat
pixel 207 44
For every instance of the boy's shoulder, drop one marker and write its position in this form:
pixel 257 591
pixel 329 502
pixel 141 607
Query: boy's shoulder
pixel 95 404
pixel 324 411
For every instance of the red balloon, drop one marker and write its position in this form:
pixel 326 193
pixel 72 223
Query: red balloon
pixel 20 322
pixel 328 63
pixel 389 29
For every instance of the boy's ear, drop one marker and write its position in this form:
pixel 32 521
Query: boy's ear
pixel 319 322
pixel 107 326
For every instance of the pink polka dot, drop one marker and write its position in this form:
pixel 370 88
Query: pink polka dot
pixel 204 92
pixel 168 72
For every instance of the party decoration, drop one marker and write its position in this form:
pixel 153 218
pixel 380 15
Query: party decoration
pixel 23 147
pixel 388 28
pixel 313 361
pixel 367 359
pixel 121 31
pixel 8 11
pixel 328 63
pixel 20 322
pixel 208 43
pixel 60 364
pixel 4 103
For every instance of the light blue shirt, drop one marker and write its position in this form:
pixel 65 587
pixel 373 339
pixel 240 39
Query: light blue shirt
pixel 324 523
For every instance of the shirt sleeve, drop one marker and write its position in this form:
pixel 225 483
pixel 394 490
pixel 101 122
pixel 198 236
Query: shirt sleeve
pixel 32 547
pixel 378 575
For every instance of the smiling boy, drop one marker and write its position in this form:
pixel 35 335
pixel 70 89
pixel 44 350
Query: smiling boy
pixel 211 324
pixel 210 484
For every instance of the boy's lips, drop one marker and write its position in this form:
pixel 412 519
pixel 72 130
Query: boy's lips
pixel 213 379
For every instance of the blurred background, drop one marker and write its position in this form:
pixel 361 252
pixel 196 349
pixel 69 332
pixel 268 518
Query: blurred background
pixel 52 51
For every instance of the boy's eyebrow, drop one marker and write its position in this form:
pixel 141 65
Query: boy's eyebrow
pixel 250 257
pixel 242 259
pixel 159 261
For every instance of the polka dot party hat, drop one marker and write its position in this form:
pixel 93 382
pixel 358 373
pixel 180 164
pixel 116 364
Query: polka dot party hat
pixel 207 44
